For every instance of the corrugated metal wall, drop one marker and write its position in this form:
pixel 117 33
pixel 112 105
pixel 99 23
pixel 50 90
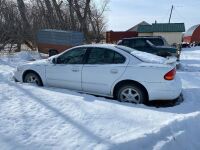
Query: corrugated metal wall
pixel 60 37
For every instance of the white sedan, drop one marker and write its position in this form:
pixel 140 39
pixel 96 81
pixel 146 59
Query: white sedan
pixel 106 70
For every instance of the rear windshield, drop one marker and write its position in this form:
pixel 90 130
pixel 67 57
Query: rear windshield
pixel 142 56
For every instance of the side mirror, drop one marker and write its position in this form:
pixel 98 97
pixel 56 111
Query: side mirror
pixel 54 60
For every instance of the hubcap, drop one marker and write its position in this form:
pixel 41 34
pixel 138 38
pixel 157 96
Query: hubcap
pixel 130 95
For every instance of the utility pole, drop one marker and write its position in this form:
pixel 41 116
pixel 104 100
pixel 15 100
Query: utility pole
pixel 171 13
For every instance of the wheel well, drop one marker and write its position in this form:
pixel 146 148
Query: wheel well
pixel 31 71
pixel 124 82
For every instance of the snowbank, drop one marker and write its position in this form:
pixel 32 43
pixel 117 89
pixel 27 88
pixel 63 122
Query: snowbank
pixel 51 118
pixel 20 58
pixel 190 59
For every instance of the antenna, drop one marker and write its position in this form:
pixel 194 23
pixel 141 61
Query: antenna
pixel 171 13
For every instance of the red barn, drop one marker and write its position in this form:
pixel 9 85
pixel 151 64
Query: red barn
pixel 113 37
pixel 192 34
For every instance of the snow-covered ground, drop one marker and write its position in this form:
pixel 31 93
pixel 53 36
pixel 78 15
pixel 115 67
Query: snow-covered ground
pixel 51 118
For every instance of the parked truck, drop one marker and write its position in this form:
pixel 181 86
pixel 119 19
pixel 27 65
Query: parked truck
pixel 56 41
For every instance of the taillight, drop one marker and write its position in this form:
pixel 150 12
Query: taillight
pixel 170 75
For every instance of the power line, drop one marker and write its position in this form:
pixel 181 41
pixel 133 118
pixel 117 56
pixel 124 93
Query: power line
pixel 179 14
pixel 171 13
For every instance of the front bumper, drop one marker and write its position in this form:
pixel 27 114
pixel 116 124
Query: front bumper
pixel 17 76
pixel 15 79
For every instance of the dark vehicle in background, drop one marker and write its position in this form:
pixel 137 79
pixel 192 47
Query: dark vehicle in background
pixel 185 45
pixel 155 45
pixel 52 41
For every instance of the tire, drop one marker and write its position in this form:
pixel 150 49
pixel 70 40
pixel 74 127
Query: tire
pixel 131 93
pixel 52 52
pixel 33 78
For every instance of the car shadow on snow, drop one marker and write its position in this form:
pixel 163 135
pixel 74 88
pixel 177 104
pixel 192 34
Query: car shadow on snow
pixel 157 103
pixel 166 103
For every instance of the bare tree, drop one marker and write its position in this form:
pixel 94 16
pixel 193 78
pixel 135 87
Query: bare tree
pixel 49 13
pixel 58 13
pixel 97 19
pixel 81 7
pixel 21 20
pixel 22 10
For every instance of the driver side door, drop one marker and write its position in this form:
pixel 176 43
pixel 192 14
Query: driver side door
pixel 66 72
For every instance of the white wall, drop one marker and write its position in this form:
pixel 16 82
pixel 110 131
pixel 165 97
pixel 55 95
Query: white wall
pixel 145 34
pixel 171 37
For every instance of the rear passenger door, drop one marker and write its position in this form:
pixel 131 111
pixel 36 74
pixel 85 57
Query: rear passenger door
pixel 102 68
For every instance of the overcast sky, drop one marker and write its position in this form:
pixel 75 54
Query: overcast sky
pixel 124 14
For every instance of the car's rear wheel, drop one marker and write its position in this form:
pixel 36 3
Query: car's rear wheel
pixel 32 78
pixel 131 93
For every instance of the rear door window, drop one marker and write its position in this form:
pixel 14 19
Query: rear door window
pixel 104 56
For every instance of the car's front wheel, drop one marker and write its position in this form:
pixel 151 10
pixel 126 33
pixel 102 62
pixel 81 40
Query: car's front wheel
pixel 32 78
pixel 131 93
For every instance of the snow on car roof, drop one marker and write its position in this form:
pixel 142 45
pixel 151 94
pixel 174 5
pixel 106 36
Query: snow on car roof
pixel 99 45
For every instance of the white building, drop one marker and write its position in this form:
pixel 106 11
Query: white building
pixel 172 32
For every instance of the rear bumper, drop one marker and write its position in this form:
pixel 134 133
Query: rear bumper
pixel 169 90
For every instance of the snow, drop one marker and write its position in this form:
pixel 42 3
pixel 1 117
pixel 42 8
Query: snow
pixel 190 59
pixel 147 57
pixel 51 118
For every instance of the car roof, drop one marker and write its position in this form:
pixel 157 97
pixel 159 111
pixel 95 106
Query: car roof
pixel 98 45
pixel 143 37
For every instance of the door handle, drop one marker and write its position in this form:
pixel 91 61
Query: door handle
pixel 114 71
pixel 75 69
